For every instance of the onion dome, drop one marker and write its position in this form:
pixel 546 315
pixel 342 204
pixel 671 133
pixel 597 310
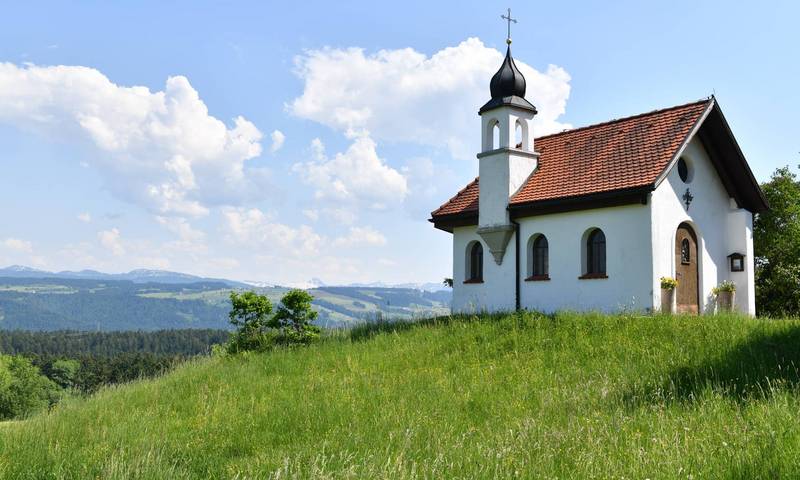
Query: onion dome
pixel 508 81
pixel 508 87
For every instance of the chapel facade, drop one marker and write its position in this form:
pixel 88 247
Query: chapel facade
pixel 591 218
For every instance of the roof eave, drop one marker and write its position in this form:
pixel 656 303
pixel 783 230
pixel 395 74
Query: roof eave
pixel 730 185
pixel 448 222
pixel 512 101
pixel 611 198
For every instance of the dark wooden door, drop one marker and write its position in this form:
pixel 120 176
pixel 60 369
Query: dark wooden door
pixel 686 269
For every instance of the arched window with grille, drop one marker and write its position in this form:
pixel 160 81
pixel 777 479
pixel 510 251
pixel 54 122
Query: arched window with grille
pixel 686 252
pixel 540 263
pixel 475 263
pixel 596 254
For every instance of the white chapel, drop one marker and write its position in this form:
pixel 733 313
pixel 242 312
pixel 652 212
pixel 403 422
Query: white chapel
pixel 592 218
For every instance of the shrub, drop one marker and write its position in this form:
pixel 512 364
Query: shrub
pixel 258 331
pixel 668 283
pixel 294 316
pixel 23 389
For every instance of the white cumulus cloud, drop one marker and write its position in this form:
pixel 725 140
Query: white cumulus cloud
pixel 160 149
pixel 111 240
pixel 277 140
pixel 358 174
pixel 255 229
pixel 18 245
pixel 85 217
pixel 361 236
pixel 404 95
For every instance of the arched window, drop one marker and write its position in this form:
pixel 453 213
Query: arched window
pixel 539 253
pixel 596 253
pixel 686 252
pixel 475 264
pixel 496 136
pixel 521 134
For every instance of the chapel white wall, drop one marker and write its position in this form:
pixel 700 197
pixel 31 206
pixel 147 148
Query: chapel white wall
pixel 628 261
pixel 497 292
pixel 721 227
pixel 628 265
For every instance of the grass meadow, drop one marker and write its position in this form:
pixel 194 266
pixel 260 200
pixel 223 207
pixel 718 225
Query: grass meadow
pixel 503 396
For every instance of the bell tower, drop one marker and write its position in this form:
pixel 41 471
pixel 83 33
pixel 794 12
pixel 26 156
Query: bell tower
pixel 507 155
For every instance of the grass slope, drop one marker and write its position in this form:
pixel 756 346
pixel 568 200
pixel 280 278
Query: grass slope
pixel 514 396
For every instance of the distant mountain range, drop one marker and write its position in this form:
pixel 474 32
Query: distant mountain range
pixel 135 276
pixel 34 300
pixel 167 277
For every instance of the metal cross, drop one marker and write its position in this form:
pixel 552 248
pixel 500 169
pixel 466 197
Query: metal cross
pixel 509 20
pixel 687 198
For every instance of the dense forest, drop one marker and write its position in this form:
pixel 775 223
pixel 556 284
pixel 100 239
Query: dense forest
pixel 39 368
pixel 72 344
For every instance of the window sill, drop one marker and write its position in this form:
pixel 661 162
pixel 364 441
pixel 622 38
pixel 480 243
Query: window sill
pixel 473 280
pixel 593 276
pixel 538 278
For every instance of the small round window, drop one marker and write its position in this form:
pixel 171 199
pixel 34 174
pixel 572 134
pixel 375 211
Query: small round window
pixel 683 171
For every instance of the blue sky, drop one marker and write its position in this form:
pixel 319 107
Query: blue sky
pixel 375 109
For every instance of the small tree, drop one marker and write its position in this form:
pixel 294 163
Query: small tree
pixel 250 311
pixel 250 315
pixel 294 316
pixel 258 330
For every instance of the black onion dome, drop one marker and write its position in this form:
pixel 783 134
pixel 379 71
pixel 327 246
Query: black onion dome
pixel 508 81
pixel 508 87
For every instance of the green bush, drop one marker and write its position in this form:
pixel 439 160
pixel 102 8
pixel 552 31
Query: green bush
pixel 23 390
pixel 258 331
pixel 294 316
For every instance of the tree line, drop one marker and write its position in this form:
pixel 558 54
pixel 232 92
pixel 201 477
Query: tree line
pixel 71 344
pixel 776 244
pixel 37 369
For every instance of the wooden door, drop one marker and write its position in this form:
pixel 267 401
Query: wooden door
pixel 686 269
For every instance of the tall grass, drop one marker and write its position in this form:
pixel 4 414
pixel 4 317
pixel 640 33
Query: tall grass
pixel 565 396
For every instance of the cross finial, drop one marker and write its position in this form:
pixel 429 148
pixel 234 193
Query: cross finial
pixel 509 20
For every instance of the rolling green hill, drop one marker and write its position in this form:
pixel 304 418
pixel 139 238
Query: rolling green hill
pixel 90 304
pixel 526 396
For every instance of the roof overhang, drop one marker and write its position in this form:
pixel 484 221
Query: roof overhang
pixel 448 222
pixel 613 198
pixel 512 101
pixel 729 162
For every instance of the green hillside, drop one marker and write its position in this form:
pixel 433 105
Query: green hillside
pixel 570 396
pixel 106 305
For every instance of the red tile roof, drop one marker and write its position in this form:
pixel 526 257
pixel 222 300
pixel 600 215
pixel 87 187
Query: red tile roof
pixel 616 155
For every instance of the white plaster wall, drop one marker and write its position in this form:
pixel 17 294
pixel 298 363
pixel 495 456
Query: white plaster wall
pixel 740 237
pixel 720 226
pixel 628 261
pixel 497 291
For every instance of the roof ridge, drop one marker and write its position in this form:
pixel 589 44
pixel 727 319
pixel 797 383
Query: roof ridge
pixel 631 117
pixel 456 195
